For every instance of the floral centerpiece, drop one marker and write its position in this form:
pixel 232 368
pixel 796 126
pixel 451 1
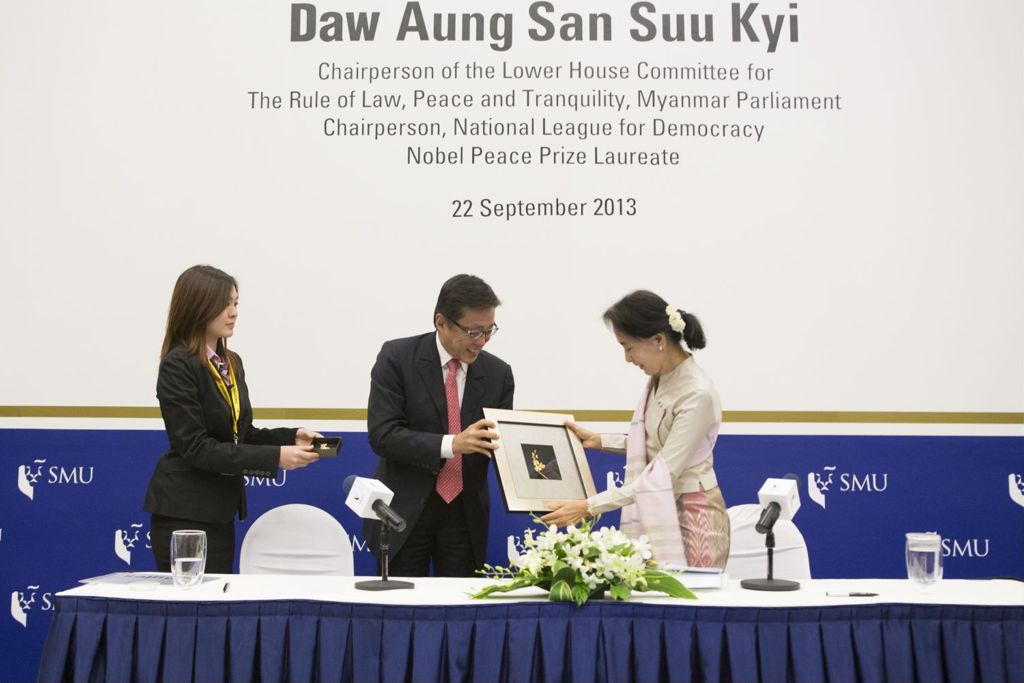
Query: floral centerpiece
pixel 581 563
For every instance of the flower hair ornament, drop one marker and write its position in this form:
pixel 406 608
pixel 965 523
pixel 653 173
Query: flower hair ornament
pixel 676 322
pixel 675 319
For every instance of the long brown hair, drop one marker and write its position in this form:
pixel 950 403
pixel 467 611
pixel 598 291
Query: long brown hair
pixel 200 295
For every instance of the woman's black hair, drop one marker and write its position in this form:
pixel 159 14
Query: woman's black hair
pixel 641 314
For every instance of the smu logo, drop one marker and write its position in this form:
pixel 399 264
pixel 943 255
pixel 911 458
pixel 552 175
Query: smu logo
pixel 125 541
pixel 968 547
pixel 358 543
pixel 515 546
pixel 821 483
pixel 30 475
pixel 277 482
pixel 1017 489
pixel 23 601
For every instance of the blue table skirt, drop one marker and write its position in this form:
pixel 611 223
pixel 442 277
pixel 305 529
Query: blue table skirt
pixel 94 639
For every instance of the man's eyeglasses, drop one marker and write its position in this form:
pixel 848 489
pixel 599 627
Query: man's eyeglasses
pixel 476 334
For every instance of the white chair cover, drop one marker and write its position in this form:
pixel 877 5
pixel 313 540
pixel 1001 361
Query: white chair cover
pixel 296 539
pixel 748 557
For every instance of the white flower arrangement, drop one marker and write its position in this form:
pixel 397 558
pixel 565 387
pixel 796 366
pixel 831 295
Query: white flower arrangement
pixel 675 320
pixel 581 563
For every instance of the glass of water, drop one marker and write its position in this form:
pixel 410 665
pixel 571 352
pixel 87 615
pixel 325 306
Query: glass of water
pixel 188 557
pixel 924 559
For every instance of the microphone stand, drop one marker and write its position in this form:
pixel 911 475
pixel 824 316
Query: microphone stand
pixel 383 583
pixel 770 583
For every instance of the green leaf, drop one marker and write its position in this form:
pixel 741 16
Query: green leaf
pixel 580 593
pixel 620 591
pixel 663 583
pixel 513 585
pixel 563 572
pixel 561 591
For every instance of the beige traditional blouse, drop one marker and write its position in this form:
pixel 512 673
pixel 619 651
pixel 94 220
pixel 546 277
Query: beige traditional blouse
pixel 682 420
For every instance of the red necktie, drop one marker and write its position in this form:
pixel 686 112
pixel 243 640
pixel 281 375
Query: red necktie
pixel 449 479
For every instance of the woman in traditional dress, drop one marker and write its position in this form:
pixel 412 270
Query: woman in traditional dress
pixel 671 494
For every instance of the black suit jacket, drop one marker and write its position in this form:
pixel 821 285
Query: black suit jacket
pixel 407 417
pixel 200 477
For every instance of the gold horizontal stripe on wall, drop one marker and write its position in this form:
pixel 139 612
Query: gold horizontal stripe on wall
pixel 359 414
pixel 79 411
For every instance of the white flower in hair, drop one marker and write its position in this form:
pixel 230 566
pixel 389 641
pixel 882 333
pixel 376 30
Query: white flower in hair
pixel 675 320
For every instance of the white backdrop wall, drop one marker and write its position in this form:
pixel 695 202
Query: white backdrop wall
pixel 866 258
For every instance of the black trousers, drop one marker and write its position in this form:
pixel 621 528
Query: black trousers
pixel 440 537
pixel 220 542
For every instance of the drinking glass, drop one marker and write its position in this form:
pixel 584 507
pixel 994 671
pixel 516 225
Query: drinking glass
pixel 924 559
pixel 188 557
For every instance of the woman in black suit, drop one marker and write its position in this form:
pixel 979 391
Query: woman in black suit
pixel 204 401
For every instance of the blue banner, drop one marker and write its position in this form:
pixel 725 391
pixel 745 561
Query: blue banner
pixel 73 507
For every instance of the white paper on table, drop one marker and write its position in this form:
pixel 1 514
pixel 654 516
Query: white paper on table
pixel 697 577
pixel 139 577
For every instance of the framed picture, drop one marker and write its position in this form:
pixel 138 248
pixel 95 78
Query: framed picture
pixel 539 460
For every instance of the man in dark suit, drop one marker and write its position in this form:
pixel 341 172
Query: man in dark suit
pixel 425 422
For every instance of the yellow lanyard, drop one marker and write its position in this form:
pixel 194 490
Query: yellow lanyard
pixel 229 394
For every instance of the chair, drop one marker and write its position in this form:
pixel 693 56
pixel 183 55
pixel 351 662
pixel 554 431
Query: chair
pixel 296 539
pixel 748 557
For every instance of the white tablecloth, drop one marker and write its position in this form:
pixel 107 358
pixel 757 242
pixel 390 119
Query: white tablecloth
pixel 435 591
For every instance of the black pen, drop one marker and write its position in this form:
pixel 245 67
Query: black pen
pixel 833 594
pixel 227 585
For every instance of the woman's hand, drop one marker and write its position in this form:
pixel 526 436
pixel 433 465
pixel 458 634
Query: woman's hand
pixel 590 439
pixel 304 437
pixel 294 457
pixel 567 513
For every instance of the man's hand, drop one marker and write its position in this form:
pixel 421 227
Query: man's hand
pixel 476 438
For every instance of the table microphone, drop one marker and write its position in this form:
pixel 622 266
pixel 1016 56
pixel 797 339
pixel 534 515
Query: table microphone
pixel 780 498
pixel 769 515
pixel 369 499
